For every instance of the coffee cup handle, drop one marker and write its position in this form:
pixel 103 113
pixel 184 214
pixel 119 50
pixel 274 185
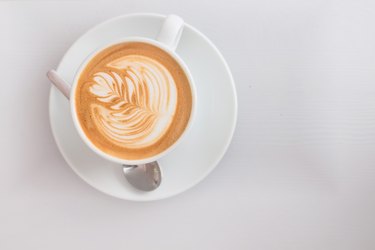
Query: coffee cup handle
pixel 171 31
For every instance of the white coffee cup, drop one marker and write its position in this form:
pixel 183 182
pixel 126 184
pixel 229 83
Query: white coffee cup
pixel 167 40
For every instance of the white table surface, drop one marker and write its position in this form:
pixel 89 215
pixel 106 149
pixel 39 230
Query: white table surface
pixel 299 174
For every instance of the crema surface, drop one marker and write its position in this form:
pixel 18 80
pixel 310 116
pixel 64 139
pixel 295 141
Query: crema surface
pixel 133 100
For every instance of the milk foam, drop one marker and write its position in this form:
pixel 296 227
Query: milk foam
pixel 137 99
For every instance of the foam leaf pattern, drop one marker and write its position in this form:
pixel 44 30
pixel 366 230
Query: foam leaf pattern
pixel 136 101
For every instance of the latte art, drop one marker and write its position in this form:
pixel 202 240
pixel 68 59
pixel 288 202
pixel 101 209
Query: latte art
pixel 142 99
pixel 133 100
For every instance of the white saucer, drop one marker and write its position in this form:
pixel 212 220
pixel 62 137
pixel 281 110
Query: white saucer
pixel 201 149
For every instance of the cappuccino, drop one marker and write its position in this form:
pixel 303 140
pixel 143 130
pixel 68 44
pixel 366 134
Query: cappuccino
pixel 133 100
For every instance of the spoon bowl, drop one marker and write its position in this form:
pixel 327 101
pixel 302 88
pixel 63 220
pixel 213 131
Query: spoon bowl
pixel 145 177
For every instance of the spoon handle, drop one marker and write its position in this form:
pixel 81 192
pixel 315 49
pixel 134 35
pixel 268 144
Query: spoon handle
pixel 60 83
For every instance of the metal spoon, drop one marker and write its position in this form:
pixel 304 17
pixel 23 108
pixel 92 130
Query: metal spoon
pixel 145 177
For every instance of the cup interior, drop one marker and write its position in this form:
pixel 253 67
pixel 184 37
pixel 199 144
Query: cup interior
pixel 77 123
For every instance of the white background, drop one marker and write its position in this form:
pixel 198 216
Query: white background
pixel 299 174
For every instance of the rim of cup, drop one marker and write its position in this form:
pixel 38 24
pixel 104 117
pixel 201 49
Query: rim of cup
pixel 77 123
